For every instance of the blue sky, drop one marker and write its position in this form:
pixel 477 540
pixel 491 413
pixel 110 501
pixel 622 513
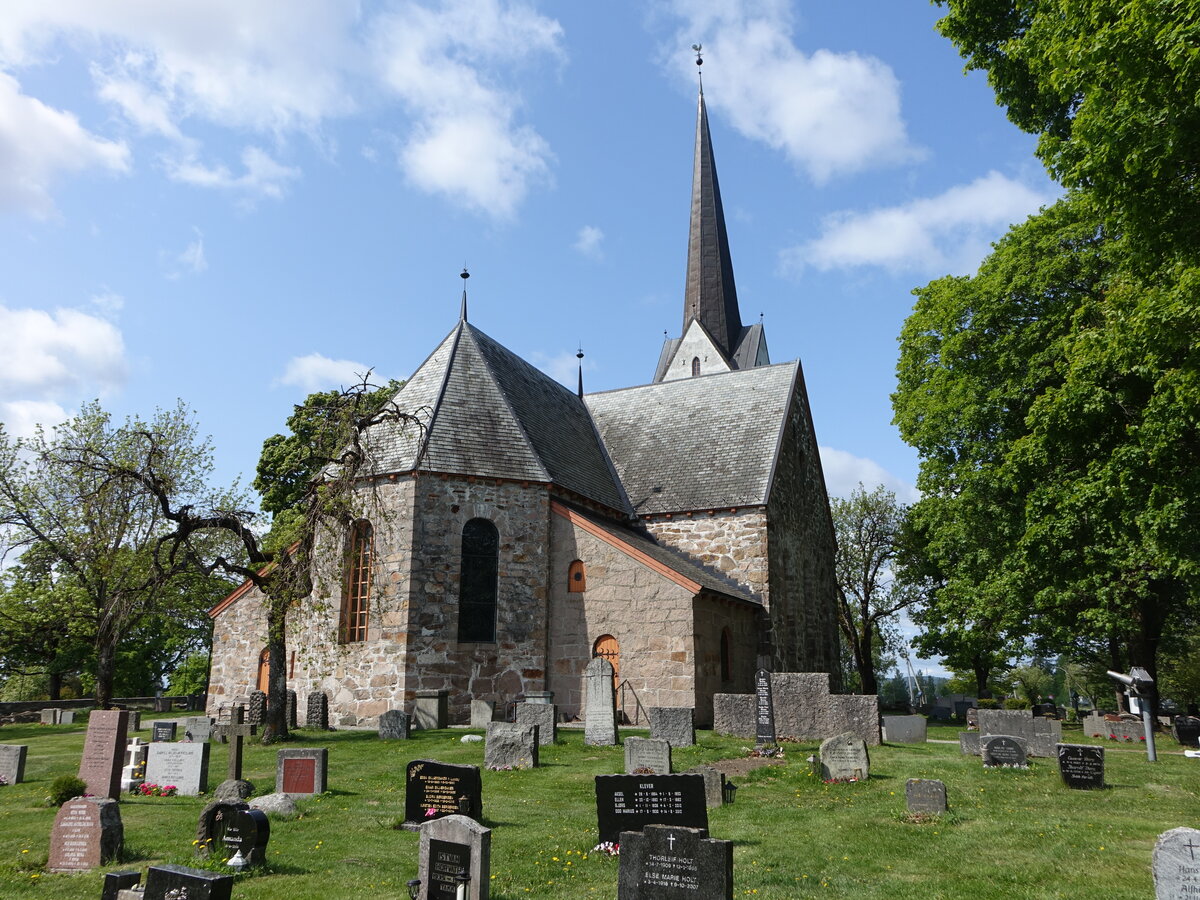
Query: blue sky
pixel 237 203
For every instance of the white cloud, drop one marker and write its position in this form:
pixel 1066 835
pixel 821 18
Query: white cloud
pixel 192 259
pixel 830 113
pixel 589 242
pixel 46 358
pixel 845 471
pixel 263 176
pixel 444 65
pixel 108 303
pixel 562 367
pixel 947 233
pixel 315 372
pixel 38 144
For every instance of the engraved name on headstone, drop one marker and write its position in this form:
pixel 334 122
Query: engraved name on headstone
pixel 925 796
pixel 103 752
pixel 185 766
pixel 451 848
pixel 764 710
pixel 301 772
pixel 630 802
pixel 1081 766
pixel 1176 864
pixel 665 862
pixel 1002 751
pixel 600 704
pixel 647 756
pixel 87 833
pixel 434 789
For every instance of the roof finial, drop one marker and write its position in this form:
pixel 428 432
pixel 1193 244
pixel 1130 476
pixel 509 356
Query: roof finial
pixel 579 356
pixel 699 62
pixel 464 275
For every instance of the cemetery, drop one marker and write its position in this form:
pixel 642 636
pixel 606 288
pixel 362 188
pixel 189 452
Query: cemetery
pixel 373 814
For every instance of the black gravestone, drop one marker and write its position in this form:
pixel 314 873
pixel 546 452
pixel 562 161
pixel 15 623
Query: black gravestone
pixel 247 831
pixel 447 860
pixel 1001 750
pixel 1081 766
pixel 167 881
pixel 764 712
pixel 1186 730
pixel 256 711
pixel 115 882
pixel 163 731
pixel 666 862
pixel 210 830
pixel 631 802
pixel 434 789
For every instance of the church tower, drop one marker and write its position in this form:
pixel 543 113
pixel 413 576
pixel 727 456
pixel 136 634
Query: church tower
pixel 714 338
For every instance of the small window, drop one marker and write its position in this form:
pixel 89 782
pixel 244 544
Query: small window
pixel 477 585
pixel 695 365
pixel 577 577
pixel 356 592
pixel 726 655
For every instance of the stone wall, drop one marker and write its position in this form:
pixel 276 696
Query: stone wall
pixel 803 597
pixel 712 614
pixel 804 708
pixel 730 544
pixel 239 636
pixel 650 616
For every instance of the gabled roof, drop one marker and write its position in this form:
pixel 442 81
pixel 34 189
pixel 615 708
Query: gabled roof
pixel 697 443
pixel 488 413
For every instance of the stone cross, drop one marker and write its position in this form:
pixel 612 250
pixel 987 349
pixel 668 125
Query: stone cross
pixel 235 731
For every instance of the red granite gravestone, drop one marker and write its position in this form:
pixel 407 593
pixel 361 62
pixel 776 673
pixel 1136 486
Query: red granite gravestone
pixel 299 776
pixel 87 833
pixel 104 752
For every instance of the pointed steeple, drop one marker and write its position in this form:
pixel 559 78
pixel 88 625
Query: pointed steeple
pixel 462 312
pixel 710 294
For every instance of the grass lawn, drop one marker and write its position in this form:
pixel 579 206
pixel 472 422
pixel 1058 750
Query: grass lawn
pixel 1010 834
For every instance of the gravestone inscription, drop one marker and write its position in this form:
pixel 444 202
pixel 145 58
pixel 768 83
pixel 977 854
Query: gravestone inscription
pixel 674 724
pixel 246 835
pixel 394 725
pixel 666 862
pixel 167 881
pixel 764 710
pixel 630 802
pixel 1002 751
pixel 511 746
pixel 163 730
pixel 183 765
pixel 1176 864
pixel 544 716
pixel 103 752
pixel 12 762
pixel 434 789
pixel 1081 766
pixel 450 848
pixel 600 704
pixel 925 796
pixel 87 833
pixel 301 772
pixel 647 756
pixel 844 757
pixel 198 729
pixel 210 829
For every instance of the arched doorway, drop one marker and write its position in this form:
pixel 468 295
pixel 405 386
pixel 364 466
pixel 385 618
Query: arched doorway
pixel 606 647
pixel 264 669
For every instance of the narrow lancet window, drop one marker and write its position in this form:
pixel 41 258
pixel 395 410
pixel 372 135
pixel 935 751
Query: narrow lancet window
pixel 695 365
pixel 360 552
pixel 478 582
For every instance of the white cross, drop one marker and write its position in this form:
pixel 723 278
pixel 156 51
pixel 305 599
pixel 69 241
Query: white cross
pixel 671 841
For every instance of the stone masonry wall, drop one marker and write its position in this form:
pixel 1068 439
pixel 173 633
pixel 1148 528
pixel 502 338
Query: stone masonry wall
pixel 713 614
pixel 800 539
pixel 239 636
pixel 502 670
pixel 649 615
pixel 729 544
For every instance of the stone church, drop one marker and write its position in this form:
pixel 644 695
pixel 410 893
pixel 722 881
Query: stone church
pixel 680 528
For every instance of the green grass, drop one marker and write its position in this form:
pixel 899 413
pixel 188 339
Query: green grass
pixel 1009 834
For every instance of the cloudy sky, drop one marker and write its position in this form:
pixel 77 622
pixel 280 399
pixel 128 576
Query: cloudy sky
pixel 238 203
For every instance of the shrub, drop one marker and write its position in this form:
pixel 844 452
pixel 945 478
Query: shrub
pixel 1017 703
pixel 66 787
pixel 985 703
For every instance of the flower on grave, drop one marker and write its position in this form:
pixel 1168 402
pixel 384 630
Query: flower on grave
pixel 610 848
pixel 3 780
pixel 429 813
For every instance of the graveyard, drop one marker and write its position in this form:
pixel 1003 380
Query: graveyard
pixel 1007 832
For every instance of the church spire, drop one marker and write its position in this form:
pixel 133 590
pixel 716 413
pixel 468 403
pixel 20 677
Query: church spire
pixel 462 311
pixel 710 294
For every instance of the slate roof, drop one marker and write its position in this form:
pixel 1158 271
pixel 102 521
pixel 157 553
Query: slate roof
pixel 486 412
pixel 697 443
pixel 671 558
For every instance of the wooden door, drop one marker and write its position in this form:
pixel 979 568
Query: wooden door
pixel 264 670
pixel 606 647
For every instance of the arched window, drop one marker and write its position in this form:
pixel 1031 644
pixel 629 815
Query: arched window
pixel 477 584
pixel 695 365
pixel 577 577
pixel 360 552
pixel 726 655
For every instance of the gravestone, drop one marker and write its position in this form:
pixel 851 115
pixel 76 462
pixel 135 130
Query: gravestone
pixel 444 788
pixel 317 716
pixel 647 756
pixel 115 882
pixel 940 713
pixel 12 762
pixel 544 716
pixel 451 847
pixel 844 757
pixel 1176 864
pixel 87 833
pixel 301 772
pixel 1186 730
pixel 631 802
pixel 183 765
pixel 904 729
pixel 198 729
pixel 210 829
pixel 599 704
pixel 1002 751
pixel 133 773
pixel 170 882
pixel 968 742
pixel 431 710
pixel 764 709
pixel 290 709
pixel 236 731
pixel 1038 735
pixel 714 784
pixel 256 710
pixel 543 697
pixel 1081 766
pixel 925 796
pixel 665 862
pixel 482 712
pixel 394 725
pixel 49 716
pixel 961 708
pixel 511 746
pixel 135 719
pixel 246 835
pixel 103 752
pixel 972 718
pixel 163 731
pixel 674 724
pixel 66 717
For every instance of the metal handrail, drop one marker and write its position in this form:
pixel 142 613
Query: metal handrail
pixel 639 710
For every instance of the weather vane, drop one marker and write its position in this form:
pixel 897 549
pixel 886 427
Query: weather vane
pixel 699 62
